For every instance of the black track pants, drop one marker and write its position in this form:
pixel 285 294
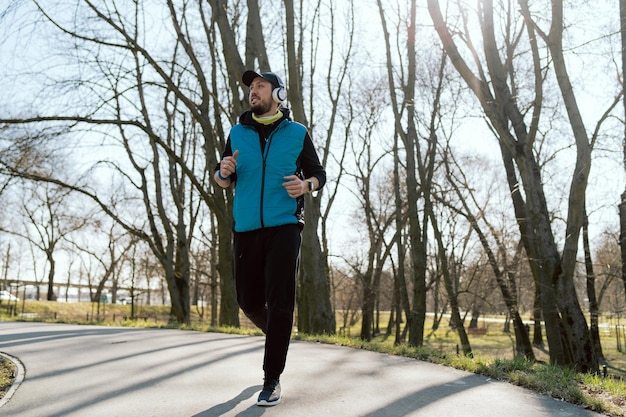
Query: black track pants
pixel 266 265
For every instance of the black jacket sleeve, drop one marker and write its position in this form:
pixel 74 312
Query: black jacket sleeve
pixel 310 162
pixel 228 151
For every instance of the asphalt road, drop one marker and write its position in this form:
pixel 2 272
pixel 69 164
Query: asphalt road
pixel 95 371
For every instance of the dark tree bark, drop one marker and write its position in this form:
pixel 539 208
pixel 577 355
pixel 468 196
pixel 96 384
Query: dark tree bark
pixel 622 206
pixel 591 292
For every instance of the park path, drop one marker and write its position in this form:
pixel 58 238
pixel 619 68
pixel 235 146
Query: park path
pixel 95 371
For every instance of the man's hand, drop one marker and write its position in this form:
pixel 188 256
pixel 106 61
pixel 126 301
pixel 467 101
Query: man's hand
pixel 228 165
pixel 295 186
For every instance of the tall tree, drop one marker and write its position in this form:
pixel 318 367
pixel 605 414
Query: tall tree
pixel 403 108
pixel 622 206
pixel 566 328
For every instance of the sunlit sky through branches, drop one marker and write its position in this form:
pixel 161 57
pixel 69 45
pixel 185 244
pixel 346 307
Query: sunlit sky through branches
pixel 39 66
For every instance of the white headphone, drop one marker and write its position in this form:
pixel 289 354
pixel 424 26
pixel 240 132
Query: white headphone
pixel 279 94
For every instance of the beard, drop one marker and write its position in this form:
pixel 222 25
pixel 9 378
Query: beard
pixel 261 107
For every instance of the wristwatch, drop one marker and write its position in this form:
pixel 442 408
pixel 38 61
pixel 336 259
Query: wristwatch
pixel 310 185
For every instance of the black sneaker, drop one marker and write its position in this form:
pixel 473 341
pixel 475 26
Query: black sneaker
pixel 270 395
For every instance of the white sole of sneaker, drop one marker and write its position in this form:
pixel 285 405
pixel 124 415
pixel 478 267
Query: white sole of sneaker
pixel 264 403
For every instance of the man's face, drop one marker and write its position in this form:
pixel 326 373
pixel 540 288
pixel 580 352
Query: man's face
pixel 260 98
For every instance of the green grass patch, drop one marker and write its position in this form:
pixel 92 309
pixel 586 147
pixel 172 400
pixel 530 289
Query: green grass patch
pixel 7 375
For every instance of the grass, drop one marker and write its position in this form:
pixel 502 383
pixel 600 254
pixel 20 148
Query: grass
pixel 7 375
pixel 493 353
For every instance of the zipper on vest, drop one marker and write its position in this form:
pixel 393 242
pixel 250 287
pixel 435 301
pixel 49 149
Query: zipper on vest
pixel 265 150
pixel 265 153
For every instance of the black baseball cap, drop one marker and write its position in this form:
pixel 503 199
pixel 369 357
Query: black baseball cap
pixel 249 76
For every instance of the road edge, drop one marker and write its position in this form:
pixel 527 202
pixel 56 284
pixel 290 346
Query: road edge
pixel 19 377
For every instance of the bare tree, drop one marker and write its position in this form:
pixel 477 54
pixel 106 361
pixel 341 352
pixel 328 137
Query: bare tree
pixel 162 117
pixel 404 107
pixel 374 196
pixel 448 275
pixel 346 299
pixel 48 220
pixel 504 274
pixel 108 256
pixel 494 84
pixel 622 206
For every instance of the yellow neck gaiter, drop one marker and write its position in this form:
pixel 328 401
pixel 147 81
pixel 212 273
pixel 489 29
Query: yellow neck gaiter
pixel 268 120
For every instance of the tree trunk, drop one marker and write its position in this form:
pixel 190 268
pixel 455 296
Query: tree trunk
pixel 181 308
pixel 229 309
pixel 622 205
pixel 418 233
pixel 213 279
pixel 537 318
pixel 51 296
pixel 399 281
pixel 579 339
pixel 232 59
pixel 622 223
pixel 591 292
pixel 367 308
pixel 315 312
pixel 547 263
pixel 255 41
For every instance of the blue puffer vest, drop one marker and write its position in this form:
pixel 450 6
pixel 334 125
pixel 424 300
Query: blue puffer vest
pixel 260 198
